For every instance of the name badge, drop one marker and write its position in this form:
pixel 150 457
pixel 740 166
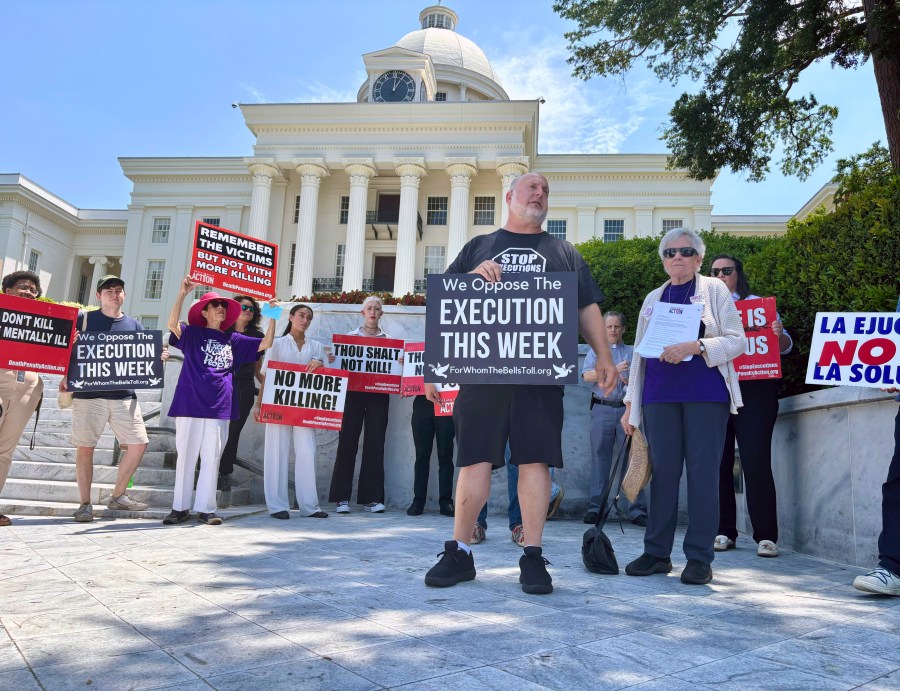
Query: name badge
pixel 648 310
pixel 696 298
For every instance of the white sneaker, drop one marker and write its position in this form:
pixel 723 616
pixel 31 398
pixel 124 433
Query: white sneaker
pixel 375 507
pixel 722 543
pixel 767 548
pixel 125 503
pixel 880 581
pixel 342 507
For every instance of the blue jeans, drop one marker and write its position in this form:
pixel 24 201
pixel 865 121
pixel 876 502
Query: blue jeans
pixel 513 512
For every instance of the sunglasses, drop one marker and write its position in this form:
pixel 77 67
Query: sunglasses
pixel 246 308
pixel 726 270
pixel 218 303
pixel 670 252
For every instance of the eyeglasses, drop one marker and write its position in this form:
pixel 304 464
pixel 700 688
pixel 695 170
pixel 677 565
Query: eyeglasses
pixel 218 303
pixel 726 270
pixel 246 308
pixel 670 252
pixel 25 288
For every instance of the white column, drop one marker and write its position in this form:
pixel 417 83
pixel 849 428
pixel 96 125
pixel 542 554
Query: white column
pixel 131 256
pixel 587 216
pixel 263 171
pixel 64 295
pixel 359 170
pixel 643 221
pixel 311 171
pixel 99 266
pixel 702 218
pixel 460 171
pixel 410 171
pixel 509 169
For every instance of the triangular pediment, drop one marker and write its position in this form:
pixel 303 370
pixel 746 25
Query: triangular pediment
pixel 394 52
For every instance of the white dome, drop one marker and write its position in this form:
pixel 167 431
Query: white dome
pixel 449 48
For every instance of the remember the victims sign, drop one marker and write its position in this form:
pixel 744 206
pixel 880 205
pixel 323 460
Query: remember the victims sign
pixel 855 349
pixel 233 262
pixel 521 330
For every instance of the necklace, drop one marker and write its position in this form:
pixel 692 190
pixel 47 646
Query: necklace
pixel 300 342
pixel 687 294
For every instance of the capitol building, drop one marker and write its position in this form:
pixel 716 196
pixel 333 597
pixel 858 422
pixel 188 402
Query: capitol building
pixel 371 195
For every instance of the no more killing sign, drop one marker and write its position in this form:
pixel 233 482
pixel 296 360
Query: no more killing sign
pixel 522 330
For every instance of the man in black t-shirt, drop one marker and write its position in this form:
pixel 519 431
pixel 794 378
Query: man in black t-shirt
pixel 91 412
pixel 530 418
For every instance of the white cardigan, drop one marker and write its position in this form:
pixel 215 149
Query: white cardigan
pixel 724 340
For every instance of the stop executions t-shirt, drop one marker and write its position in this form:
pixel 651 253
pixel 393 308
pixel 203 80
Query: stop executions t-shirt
pixel 521 254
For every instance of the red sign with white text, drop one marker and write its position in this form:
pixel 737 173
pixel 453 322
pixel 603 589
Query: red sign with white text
pixel 762 358
pixel 233 262
pixel 294 396
pixel 373 363
pixel 448 392
pixel 413 382
pixel 35 335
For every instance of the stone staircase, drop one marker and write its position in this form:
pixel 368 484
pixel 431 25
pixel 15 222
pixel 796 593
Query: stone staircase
pixel 42 481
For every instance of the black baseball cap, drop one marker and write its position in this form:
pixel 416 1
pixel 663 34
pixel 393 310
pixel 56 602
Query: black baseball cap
pixel 108 280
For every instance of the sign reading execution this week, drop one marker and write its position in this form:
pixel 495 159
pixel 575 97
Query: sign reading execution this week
pixel 373 363
pixel 521 330
pixel 233 262
pixel 294 396
pixel 855 349
pixel 35 335
pixel 110 360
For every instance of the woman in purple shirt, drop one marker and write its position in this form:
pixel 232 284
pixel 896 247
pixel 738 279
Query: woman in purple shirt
pixel 681 401
pixel 204 401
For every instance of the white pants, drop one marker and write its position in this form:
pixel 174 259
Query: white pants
pixel 204 437
pixel 275 465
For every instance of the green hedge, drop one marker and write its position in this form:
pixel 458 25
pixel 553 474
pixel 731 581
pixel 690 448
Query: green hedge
pixel 846 261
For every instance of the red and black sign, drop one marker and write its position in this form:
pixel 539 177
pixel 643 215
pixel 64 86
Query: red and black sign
pixel 35 335
pixel 762 357
pixel 233 262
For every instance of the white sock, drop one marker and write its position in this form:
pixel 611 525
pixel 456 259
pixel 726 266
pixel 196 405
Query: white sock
pixel 464 547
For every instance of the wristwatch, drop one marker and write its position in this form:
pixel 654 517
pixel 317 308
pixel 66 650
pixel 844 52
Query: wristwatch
pixel 702 347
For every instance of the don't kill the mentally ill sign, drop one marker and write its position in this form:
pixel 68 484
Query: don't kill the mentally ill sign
pixel 855 349
pixel 521 330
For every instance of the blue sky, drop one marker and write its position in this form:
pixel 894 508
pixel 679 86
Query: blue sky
pixel 92 80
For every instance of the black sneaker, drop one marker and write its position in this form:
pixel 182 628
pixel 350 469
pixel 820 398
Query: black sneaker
pixel 696 573
pixel 591 517
pixel 282 515
pixel 447 508
pixel 454 567
pixel 209 518
pixel 224 483
pixel 534 577
pixel 176 517
pixel 416 508
pixel 647 565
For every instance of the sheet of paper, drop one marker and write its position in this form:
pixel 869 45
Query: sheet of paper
pixel 670 324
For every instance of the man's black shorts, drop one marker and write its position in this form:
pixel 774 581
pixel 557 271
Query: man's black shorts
pixel 530 417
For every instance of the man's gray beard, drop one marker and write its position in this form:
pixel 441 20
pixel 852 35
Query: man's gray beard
pixel 528 213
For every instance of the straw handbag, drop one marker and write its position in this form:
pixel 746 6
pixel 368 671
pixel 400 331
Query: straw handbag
pixel 639 466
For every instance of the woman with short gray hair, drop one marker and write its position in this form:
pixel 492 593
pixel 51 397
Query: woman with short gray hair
pixel 681 401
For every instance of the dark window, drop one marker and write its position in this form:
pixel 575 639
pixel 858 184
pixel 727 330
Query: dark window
pixel 484 211
pixel 437 211
pixel 345 210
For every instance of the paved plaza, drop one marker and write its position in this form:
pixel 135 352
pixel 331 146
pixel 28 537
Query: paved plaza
pixel 340 604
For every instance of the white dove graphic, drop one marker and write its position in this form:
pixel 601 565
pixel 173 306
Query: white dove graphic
pixel 155 381
pixel 78 384
pixel 562 371
pixel 440 370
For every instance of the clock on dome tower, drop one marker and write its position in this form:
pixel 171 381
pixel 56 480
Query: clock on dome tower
pixel 394 86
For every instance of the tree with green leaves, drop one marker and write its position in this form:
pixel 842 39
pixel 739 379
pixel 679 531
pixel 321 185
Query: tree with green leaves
pixel 749 55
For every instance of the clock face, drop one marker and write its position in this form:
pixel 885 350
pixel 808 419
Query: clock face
pixel 394 87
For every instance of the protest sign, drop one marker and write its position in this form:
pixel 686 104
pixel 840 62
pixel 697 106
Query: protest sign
pixel 294 396
pixel 762 357
pixel 516 331
pixel 373 363
pixel 413 382
pixel 448 392
pixel 110 360
pixel 35 335
pixel 855 349
pixel 233 262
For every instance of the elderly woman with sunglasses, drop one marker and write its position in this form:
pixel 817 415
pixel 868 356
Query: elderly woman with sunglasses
pixel 753 430
pixel 204 402
pixel 682 401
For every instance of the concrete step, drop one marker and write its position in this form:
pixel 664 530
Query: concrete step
pixel 65 472
pixel 67 492
pixel 14 507
pixel 54 454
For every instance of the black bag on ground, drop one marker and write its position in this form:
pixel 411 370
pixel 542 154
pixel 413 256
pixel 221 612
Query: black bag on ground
pixel 597 551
